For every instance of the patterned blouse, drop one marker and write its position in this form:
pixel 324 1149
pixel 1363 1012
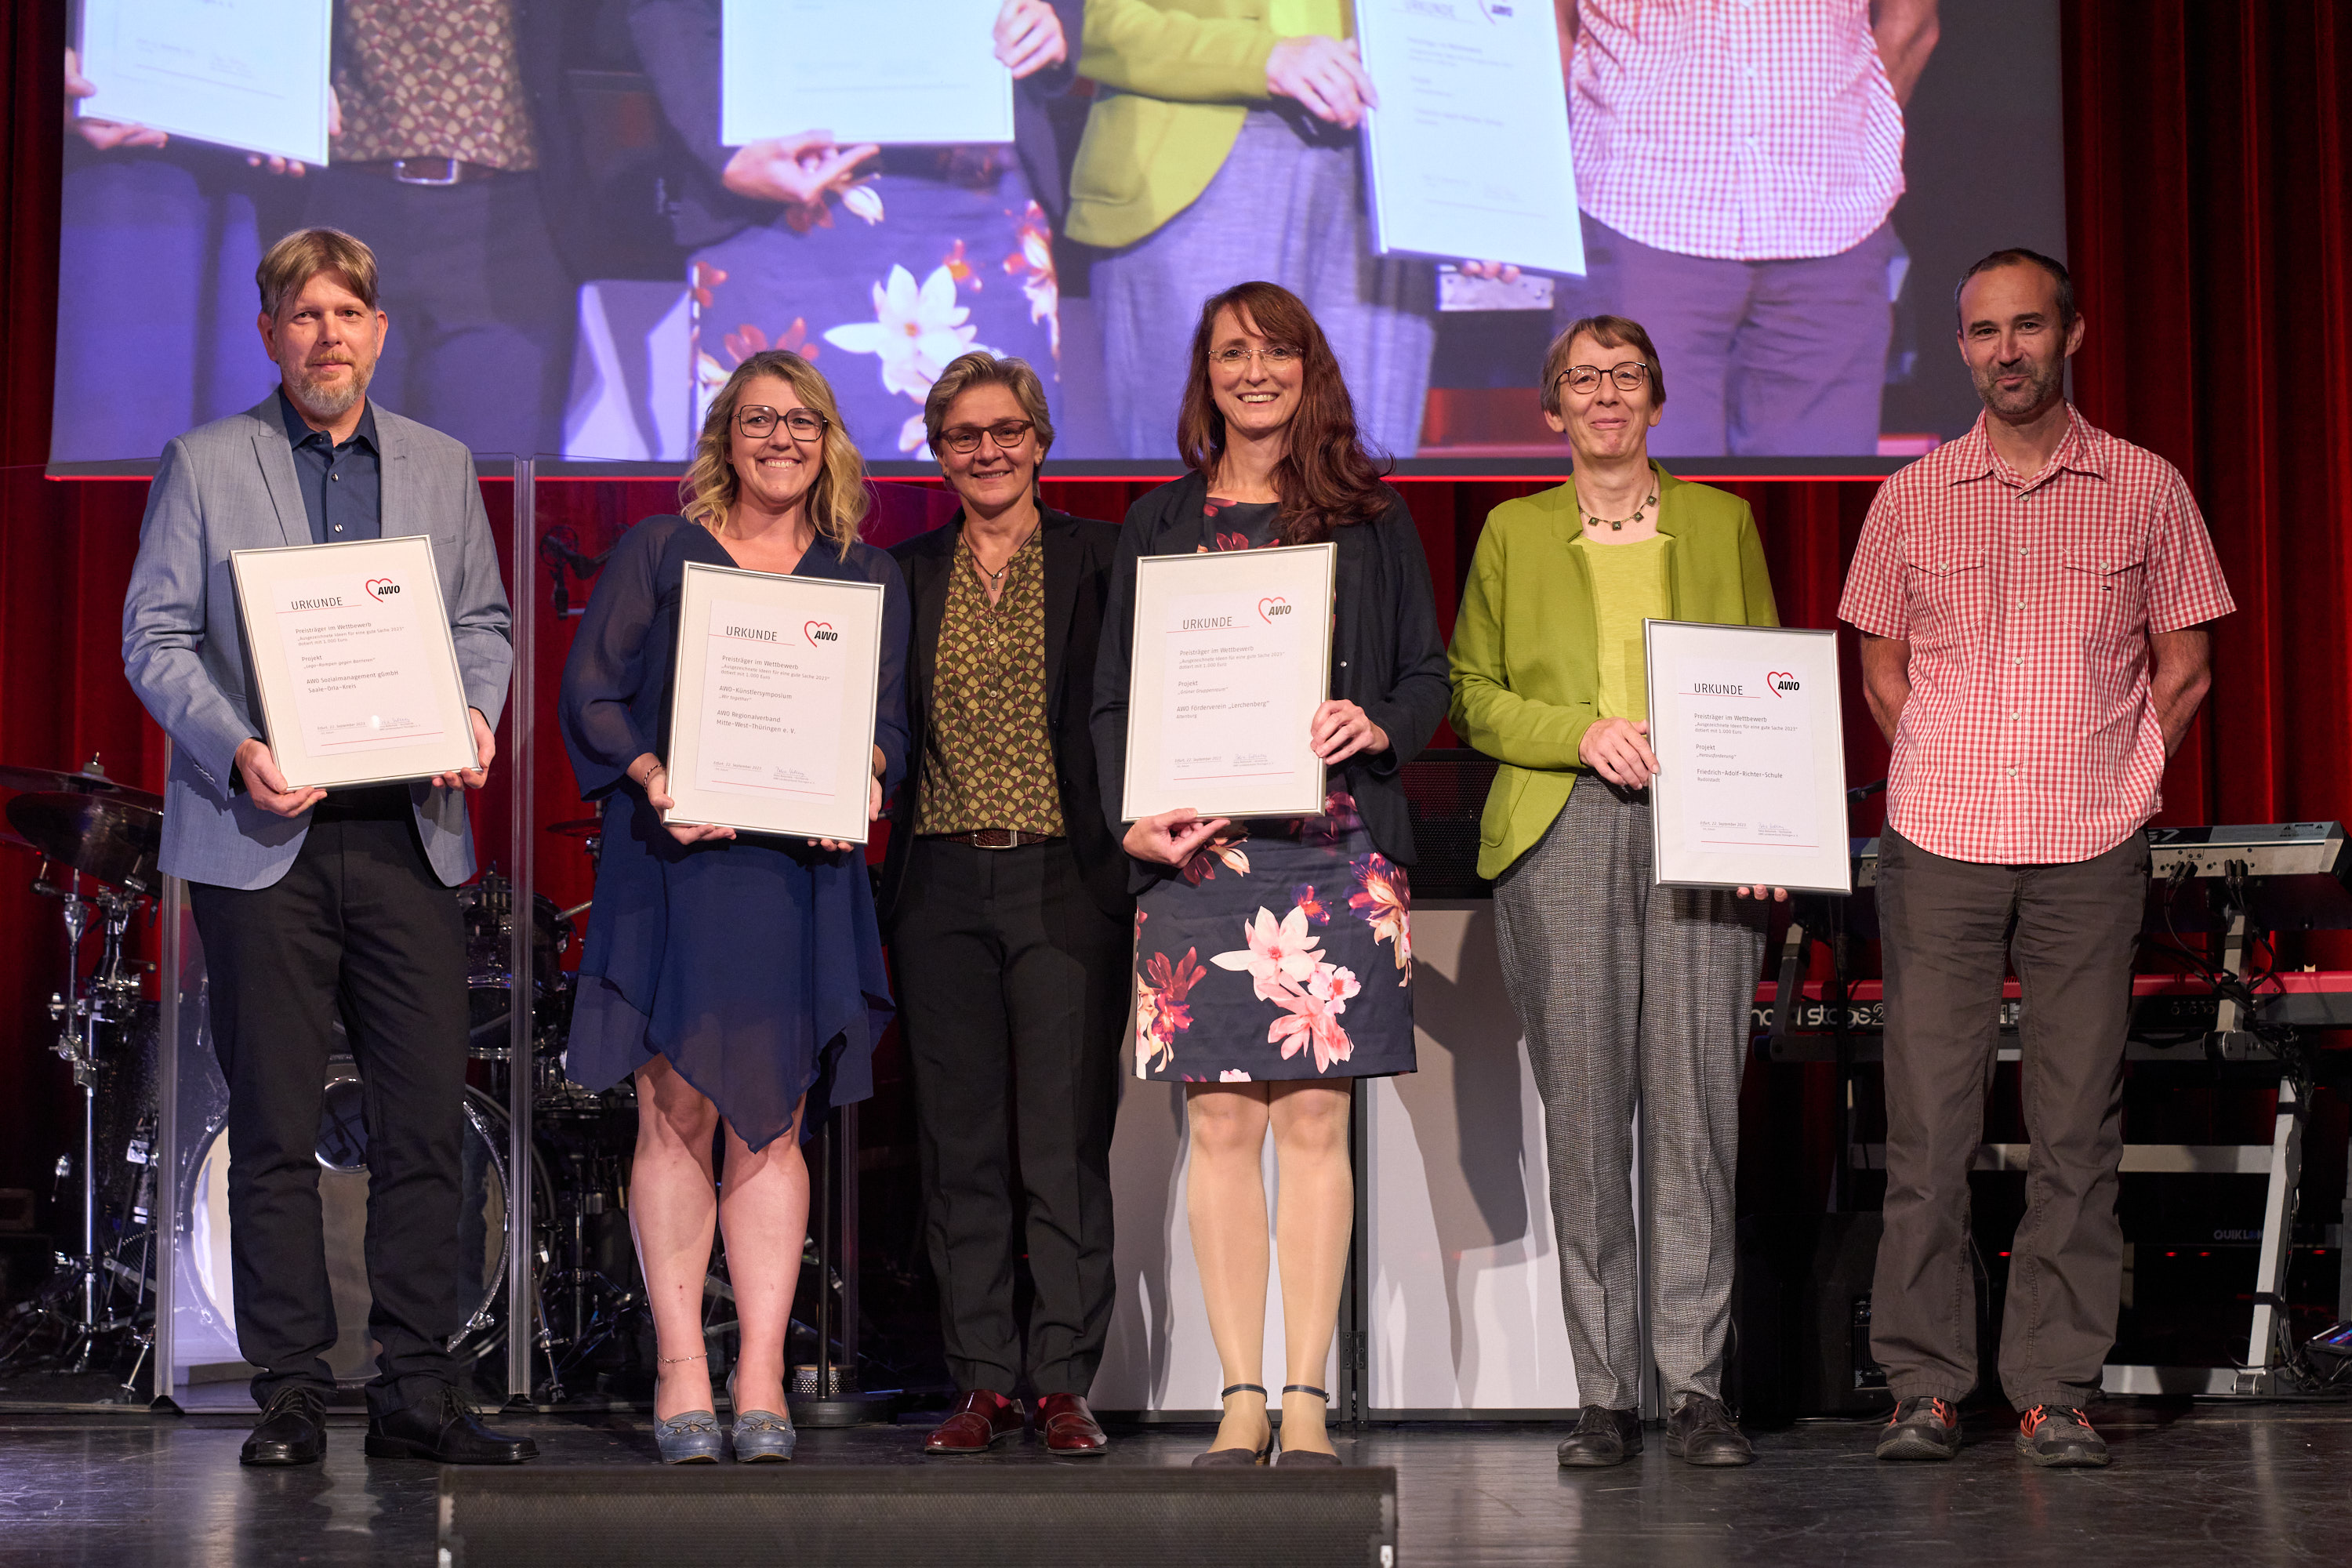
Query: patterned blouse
pixel 987 761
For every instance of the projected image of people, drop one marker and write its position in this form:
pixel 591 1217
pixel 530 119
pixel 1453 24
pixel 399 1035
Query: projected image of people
pixel 884 263
pixel 596 209
pixel 1736 165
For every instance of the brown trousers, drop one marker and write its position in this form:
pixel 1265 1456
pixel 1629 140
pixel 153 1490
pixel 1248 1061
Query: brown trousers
pixel 1947 927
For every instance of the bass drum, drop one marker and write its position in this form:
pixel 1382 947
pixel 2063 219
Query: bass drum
pixel 343 1200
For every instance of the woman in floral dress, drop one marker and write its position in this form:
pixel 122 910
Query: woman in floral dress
pixel 1274 956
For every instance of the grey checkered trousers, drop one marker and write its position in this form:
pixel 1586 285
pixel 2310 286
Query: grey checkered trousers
pixel 1632 995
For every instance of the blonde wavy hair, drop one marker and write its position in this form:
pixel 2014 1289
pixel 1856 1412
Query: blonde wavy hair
pixel 837 502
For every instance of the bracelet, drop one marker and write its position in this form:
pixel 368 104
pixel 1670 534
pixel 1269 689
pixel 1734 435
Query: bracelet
pixel 674 1360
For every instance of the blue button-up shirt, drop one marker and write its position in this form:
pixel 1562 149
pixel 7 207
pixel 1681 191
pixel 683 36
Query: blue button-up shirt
pixel 342 482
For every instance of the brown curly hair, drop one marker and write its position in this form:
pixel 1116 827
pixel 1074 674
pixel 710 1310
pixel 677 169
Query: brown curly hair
pixel 1326 479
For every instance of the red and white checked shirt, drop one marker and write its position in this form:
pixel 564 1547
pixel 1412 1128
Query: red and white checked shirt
pixel 1742 129
pixel 2029 737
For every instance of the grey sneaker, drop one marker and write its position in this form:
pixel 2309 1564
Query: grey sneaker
pixel 2059 1436
pixel 1702 1432
pixel 1921 1429
pixel 1603 1437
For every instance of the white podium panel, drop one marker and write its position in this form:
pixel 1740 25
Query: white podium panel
pixel 1464 1305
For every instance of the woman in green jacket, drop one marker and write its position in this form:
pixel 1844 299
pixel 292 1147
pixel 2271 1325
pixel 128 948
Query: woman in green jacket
pixel 1628 994
pixel 1222 146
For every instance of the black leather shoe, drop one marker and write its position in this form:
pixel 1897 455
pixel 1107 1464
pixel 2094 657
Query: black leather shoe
pixel 293 1430
pixel 1603 1437
pixel 444 1429
pixel 1702 1432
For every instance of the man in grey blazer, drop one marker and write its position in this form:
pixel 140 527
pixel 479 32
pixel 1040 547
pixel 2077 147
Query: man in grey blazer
pixel 313 906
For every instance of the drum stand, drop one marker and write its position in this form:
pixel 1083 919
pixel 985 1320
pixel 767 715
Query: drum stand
pixel 82 1010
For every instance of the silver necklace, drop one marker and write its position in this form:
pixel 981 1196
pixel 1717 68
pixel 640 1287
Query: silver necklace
pixel 1616 524
pixel 996 578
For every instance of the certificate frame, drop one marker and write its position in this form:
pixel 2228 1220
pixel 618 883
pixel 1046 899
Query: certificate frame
pixel 1209 588
pixel 1468 153
pixel 142 58
pixel 281 591
pixel 798 807
pixel 1748 725
pixel 789 66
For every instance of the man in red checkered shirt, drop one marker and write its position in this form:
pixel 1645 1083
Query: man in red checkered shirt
pixel 2032 600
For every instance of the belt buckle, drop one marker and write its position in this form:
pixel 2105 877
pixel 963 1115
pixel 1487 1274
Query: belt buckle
pixel 450 171
pixel 980 836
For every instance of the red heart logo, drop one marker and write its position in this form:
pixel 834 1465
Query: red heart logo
pixel 1262 604
pixel 375 586
pixel 1772 679
pixel 810 628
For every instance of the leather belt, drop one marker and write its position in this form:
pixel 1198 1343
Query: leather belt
pixel 425 171
pixel 995 837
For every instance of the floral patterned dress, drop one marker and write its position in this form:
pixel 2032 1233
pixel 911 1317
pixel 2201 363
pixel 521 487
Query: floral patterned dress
pixel 1287 954
pixel 939 251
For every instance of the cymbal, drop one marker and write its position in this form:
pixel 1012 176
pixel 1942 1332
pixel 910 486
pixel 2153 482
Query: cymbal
pixel 51 782
pixel 579 827
pixel 106 836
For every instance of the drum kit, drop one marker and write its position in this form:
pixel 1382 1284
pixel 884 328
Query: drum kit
pixel 97 842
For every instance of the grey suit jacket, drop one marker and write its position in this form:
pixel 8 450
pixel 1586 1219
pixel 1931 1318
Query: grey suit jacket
pixel 231 485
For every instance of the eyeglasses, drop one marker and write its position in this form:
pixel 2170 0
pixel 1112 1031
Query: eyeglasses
pixel 1272 358
pixel 1007 433
pixel 801 424
pixel 1630 375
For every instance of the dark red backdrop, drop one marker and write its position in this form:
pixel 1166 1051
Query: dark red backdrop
pixel 2206 153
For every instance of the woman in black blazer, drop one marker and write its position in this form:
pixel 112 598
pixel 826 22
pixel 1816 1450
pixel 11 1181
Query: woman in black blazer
pixel 1005 898
pixel 1273 956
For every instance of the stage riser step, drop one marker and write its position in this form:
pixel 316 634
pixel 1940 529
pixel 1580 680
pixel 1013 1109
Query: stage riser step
pixel 974 1515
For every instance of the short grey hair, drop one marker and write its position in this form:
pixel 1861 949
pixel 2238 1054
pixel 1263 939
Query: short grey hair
pixel 977 369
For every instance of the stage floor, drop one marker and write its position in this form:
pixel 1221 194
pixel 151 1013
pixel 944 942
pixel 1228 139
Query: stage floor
pixel 2267 1484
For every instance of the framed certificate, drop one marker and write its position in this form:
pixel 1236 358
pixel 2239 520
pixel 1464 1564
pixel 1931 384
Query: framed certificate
pixel 1751 752
pixel 249 74
pixel 1467 155
pixel 772 702
pixel 354 668
pixel 880 70
pixel 1232 656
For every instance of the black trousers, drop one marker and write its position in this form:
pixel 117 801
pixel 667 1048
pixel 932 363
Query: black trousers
pixel 1946 928
pixel 1013 989
pixel 360 928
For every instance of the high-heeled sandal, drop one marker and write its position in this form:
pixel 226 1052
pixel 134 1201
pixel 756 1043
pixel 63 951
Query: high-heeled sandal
pixel 1221 1459
pixel 1307 1458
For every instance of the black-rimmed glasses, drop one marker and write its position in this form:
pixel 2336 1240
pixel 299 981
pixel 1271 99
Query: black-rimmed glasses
pixel 1630 375
pixel 759 420
pixel 1007 433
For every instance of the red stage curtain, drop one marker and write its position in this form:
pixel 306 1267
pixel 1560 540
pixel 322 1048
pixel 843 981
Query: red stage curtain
pixel 2206 155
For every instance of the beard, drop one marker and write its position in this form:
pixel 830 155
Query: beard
pixel 2042 388
pixel 327 401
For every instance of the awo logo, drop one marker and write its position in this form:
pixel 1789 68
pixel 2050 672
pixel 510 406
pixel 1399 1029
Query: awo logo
pixel 1780 682
pixel 1268 609
pixel 819 632
pixel 381 587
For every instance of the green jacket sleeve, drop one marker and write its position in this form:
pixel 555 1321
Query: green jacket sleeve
pixel 1487 713
pixel 1136 46
pixel 1755 580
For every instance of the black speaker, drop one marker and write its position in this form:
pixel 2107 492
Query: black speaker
pixel 888 1516
pixel 1800 1309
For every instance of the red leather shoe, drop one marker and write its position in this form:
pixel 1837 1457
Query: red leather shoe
pixel 982 1419
pixel 1069 1428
